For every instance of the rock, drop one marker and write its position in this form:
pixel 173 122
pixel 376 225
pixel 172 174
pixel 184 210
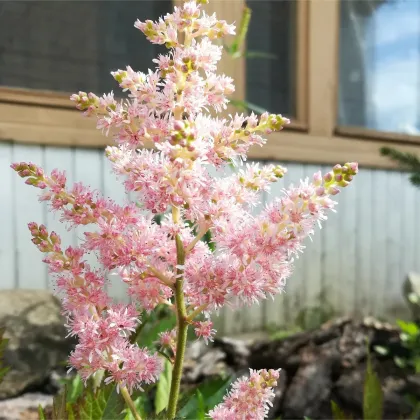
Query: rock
pixel 279 392
pixel 37 343
pixel 237 352
pixel 209 365
pixel 24 407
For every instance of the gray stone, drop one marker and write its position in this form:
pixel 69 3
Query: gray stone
pixel 37 344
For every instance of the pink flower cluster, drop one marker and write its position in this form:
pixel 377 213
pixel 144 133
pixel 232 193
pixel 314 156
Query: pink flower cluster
pixel 167 108
pixel 249 398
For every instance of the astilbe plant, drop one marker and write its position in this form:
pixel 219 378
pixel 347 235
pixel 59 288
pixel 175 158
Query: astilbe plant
pixel 167 263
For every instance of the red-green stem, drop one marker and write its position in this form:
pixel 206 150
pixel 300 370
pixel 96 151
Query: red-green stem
pixel 182 330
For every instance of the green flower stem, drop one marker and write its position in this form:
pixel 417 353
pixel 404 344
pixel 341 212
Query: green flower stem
pixel 129 403
pixel 182 330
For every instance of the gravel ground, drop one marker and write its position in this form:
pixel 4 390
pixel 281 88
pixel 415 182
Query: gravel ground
pixel 24 407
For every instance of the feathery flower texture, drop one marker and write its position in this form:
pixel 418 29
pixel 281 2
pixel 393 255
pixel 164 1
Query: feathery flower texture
pixel 168 108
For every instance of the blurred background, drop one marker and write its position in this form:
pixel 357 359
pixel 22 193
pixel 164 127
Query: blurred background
pixel 347 74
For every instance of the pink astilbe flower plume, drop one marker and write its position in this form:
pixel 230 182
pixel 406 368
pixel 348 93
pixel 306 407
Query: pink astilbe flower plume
pixel 249 398
pixel 171 109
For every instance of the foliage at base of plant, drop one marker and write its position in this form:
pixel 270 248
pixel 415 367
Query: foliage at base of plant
pixel 3 344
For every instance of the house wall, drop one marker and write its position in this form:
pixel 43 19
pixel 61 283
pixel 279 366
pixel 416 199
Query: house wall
pixel 356 264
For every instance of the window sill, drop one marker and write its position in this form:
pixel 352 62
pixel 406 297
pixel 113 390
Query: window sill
pixel 68 128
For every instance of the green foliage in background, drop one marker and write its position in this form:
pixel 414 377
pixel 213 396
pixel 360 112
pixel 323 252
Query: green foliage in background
pixel 3 344
pixel 406 161
pixel 373 397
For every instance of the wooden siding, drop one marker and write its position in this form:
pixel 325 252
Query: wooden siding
pixel 356 263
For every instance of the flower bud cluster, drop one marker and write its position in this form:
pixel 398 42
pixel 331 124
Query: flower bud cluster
pixel 250 398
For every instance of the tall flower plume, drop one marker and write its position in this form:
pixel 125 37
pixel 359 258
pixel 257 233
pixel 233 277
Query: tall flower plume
pixel 168 108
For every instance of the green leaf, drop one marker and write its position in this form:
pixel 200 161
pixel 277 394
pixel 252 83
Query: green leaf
pixel 150 332
pixel 373 396
pixel 74 389
pixel 400 362
pixel 259 54
pixel 338 413
pixel 3 344
pixel 104 403
pixel 212 392
pixel 381 350
pixel 409 328
pixel 59 405
pixel 244 106
pixel 238 43
pixel 163 387
pixel 41 413
pixel 201 411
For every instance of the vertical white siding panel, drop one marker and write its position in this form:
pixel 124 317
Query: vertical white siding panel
pixel 31 271
pixel 115 190
pixel 62 159
pixel 297 283
pixel 331 251
pixel 378 252
pixel 416 229
pixel 312 257
pixel 7 213
pixel 362 183
pixel 410 233
pixel 347 246
pixel 277 309
pixel 394 251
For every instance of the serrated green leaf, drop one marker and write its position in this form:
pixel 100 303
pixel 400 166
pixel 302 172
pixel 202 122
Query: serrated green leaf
pixel 41 413
pixel 212 392
pixel 163 387
pixel 338 413
pixel 373 396
pixel 104 403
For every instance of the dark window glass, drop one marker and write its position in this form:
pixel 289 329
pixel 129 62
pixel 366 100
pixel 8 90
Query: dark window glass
pixel 73 45
pixel 270 83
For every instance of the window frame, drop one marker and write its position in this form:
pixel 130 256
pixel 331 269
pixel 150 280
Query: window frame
pixel 49 118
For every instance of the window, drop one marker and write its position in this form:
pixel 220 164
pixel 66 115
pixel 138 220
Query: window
pixel 69 46
pixel 273 82
pixel 379 65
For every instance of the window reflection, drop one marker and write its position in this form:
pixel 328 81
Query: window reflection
pixel 379 85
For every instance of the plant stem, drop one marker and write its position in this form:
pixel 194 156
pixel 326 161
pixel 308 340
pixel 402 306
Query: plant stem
pixel 198 311
pixel 181 330
pixel 130 403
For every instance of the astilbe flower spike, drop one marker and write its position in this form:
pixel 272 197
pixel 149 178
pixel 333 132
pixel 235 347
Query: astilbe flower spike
pixel 249 398
pixel 168 108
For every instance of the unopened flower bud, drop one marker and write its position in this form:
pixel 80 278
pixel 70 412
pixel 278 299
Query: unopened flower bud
pixel 337 169
pixel 317 178
pixel 328 177
pixel 353 167
pixel 333 191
